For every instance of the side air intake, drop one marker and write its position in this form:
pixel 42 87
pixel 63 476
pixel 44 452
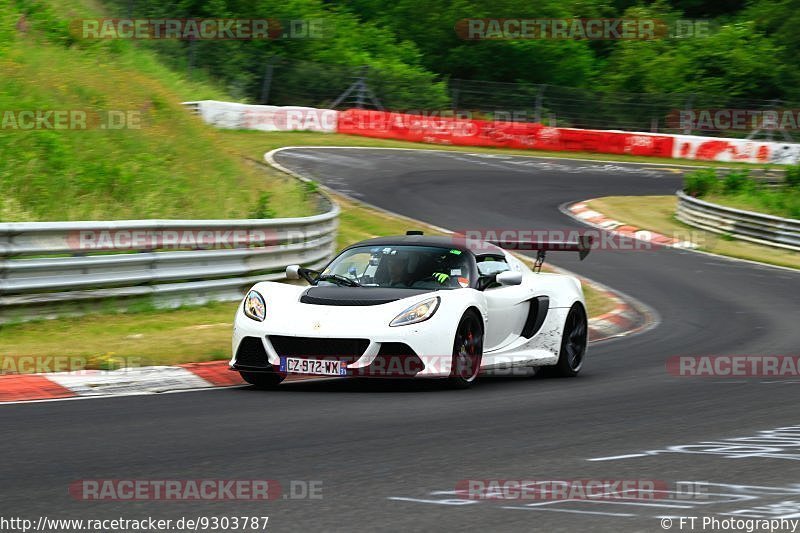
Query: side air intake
pixel 536 315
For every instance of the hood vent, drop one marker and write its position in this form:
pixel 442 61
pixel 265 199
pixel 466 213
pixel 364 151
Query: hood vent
pixel 359 296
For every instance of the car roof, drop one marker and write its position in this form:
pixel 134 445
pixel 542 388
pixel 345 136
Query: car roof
pixel 479 248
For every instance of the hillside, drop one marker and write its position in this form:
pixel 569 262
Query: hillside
pixel 164 163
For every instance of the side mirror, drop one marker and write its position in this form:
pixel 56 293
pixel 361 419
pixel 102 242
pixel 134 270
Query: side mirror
pixel 509 277
pixel 293 272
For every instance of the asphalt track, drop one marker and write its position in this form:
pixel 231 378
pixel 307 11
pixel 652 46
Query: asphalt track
pixel 389 454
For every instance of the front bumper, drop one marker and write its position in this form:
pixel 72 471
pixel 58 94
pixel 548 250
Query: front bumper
pixel 393 360
pixel 418 350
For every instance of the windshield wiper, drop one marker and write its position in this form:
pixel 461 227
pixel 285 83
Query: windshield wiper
pixel 340 280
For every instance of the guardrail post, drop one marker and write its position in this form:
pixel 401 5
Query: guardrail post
pixel 267 82
pixel 537 114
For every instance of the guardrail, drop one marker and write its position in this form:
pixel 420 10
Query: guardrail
pixel 745 225
pixel 47 266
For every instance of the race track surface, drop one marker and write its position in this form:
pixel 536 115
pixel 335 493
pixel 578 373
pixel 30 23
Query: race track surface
pixel 389 455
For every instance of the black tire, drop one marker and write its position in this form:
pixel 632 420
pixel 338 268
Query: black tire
pixel 573 343
pixel 262 380
pixel 467 351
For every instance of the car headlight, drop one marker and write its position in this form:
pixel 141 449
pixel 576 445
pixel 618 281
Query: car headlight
pixel 417 312
pixel 254 306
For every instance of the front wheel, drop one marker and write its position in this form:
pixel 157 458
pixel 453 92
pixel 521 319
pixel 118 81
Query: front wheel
pixel 262 380
pixel 467 352
pixel 573 343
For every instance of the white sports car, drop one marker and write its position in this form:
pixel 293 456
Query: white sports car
pixel 414 306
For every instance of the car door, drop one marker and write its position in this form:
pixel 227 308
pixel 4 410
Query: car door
pixel 507 308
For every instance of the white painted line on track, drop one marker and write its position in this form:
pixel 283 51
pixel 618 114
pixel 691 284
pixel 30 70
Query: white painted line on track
pixel 615 457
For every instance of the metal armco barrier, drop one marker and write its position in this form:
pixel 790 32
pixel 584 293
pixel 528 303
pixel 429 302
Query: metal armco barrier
pixel 745 225
pixel 45 266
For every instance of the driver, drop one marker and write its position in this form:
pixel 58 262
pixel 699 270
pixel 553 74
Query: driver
pixel 398 271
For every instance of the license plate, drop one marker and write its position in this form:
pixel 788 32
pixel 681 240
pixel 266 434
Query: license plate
pixel 319 367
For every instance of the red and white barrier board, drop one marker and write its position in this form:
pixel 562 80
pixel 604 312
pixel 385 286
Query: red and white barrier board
pixel 523 135
pixel 502 134
pixel 230 115
pixel 732 150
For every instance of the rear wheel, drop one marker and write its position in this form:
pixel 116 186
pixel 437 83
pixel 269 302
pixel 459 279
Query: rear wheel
pixel 573 343
pixel 467 351
pixel 262 380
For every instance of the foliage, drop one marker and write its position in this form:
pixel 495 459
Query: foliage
pixel 700 182
pixel 793 176
pixel 168 165
pixel 738 190
pixel 751 50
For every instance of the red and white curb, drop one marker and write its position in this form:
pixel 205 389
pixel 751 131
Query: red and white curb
pixel 127 381
pixel 627 317
pixel 623 320
pixel 585 214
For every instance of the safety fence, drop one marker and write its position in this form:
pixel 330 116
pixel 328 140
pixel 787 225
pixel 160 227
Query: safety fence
pixel 745 225
pixel 57 266
pixel 284 81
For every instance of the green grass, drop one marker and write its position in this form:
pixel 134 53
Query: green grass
pixel 170 167
pixel 781 203
pixel 740 191
pixel 142 338
pixel 657 213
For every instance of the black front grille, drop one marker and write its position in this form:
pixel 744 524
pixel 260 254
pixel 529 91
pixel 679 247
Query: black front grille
pixel 395 359
pixel 314 347
pixel 251 354
pixel 396 348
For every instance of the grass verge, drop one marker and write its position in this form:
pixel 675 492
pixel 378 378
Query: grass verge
pixel 738 190
pixel 163 163
pixel 657 213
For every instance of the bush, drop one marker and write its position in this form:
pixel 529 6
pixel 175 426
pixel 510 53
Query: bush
pixel 793 205
pixel 793 176
pixel 310 188
pixel 262 208
pixel 700 182
pixel 736 181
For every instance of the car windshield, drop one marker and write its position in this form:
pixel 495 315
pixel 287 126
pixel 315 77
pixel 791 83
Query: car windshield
pixel 402 267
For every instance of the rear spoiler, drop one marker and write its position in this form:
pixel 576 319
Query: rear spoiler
pixel 583 246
